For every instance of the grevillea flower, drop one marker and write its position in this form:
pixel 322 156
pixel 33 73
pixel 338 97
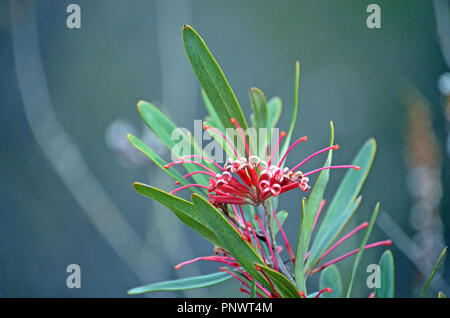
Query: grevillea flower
pixel 251 180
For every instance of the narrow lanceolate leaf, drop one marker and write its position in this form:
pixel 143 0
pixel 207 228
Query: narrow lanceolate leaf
pixel 294 109
pixel 219 139
pixel 253 289
pixel 361 248
pixel 331 278
pixel 182 284
pixel 231 239
pixel 258 103
pixel 387 282
pixel 441 257
pixel 309 215
pixel 274 108
pixel 139 144
pixel 163 128
pixel 284 287
pixel 340 208
pixel 212 112
pixel 183 209
pixel 282 216
pixel 323 244
pixel 212 79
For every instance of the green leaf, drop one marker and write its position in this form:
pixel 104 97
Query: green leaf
pixel 387 282
pixel 331 277
pixel 253 289
pixel 253 120
pixel 225 146
pixel 183 209
pixel 346 216
pixel 441 257
pixel 249 212
pixel 274 107
pixel 230 237
pixel 282 216
pixel 294 109
pixel 215 118
pixel 159 161
pixel 209 121
pixel 441 295
pixel 361 248
pixel 258 103
pixel 163 128
pixel 183 284
pixel 285 288
pixel 342 206
pixel 309 215
pixel 212 79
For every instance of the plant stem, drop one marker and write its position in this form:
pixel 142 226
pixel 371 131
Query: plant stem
pixel 241 226
pixel 269 226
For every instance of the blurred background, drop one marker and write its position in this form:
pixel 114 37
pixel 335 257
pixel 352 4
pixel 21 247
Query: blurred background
pixel 68 98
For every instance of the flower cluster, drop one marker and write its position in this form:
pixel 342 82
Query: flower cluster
pixel 251 180
pixel 260 180
pixel 258 187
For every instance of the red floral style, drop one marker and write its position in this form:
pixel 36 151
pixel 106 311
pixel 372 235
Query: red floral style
pixel 259 180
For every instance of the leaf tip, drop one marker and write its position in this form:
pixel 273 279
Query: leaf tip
pixel 188 29
pixel 196 197
pixel 256 90
pixel 137 185
pixel 373 142
pixel 141 104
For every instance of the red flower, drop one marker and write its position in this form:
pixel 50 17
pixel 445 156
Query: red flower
pixel 250 180
pixel 260 180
